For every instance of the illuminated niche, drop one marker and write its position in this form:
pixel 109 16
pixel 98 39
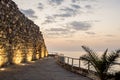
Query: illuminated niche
pixel 3 57
pixel 29 54
pixel 37 55
pixel 18 56
pixel 42 52
pixel 46 53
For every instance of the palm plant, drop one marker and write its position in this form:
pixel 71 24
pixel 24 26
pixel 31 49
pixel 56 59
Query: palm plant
pixel 101 64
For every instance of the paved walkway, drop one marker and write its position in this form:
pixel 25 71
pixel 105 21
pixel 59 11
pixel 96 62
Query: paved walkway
pixel 45 69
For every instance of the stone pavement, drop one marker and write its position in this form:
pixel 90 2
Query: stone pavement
pixel 45 69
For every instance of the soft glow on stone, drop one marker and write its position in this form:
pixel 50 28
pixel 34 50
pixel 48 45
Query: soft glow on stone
pixel 29 55
pixel 37 56
pixel 46 53
pixel 43 52
pixel 18 57
pixel 20 38
pixel 3 57
pixel 2 69
pixel 23 64
pixel 32 61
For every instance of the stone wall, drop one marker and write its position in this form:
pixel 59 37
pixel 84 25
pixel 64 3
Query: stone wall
pixel 20 39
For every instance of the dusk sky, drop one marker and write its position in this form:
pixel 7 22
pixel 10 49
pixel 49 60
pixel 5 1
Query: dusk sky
pixel 69 24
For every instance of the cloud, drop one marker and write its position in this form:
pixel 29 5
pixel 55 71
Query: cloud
pixel 74 1
pixel 49 19
pixel 69 30
pixel 88 6
pixel 80 25
pixel 67 12
pixel 62 15
pixel 59 32
pixel 29 13
pixel 40 6
pixel 57 29
pixel 109 35
pixel 78 1
pixel 75 6
pixel 91 33
pixel 67 9
pixel 89 0
pixel 57 2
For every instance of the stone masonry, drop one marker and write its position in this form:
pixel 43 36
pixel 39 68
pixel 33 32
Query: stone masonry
pixel 20 39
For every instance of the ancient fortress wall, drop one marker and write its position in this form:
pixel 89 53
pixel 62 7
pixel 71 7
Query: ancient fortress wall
pixel 20 39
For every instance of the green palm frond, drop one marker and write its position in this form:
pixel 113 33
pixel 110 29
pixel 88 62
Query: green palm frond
pixel 91 53
pixel 85 57
pixel 92 57
pixel 104 55
pixel 111 58
pixel 101 64
pixel 104 63
pixel 118 51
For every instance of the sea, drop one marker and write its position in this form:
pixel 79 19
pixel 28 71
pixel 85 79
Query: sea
pixel 83 64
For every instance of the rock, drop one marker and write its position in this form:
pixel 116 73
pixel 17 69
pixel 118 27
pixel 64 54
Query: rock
pixel 18 33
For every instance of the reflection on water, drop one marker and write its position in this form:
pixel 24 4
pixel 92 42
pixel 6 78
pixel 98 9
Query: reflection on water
pixel 78 54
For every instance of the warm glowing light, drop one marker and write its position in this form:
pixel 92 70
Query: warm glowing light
pixel 37 56
pixel 18 57
pixel 1 51
pixel 23 64
pixel 3 57
pixel 46 53
pixel 29 55
pixel 2 60
pixel 2 69
pixel 43 52
pixel 32 61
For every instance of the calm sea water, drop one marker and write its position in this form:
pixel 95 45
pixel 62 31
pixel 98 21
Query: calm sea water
pixel 114 68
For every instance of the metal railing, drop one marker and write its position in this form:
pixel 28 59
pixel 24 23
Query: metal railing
pixel 70 63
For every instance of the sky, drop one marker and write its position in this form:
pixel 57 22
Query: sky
pixel 68 24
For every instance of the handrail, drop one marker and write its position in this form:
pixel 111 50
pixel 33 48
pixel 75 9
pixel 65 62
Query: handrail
pixel 72 58
pixel 62 59
pixel 89 72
